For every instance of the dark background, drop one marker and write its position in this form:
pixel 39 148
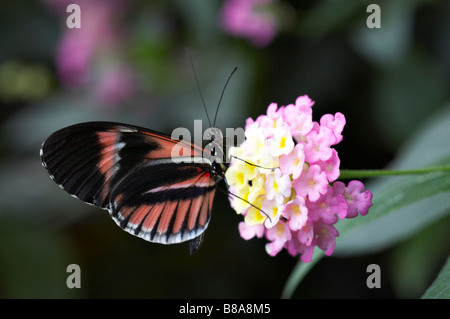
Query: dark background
pixel 385 81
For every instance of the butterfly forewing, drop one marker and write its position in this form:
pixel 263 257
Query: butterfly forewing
pixel 131 172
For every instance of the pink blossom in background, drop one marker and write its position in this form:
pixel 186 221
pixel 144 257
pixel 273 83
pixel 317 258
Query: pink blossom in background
pixel 81 50
pixel 74 56
pixel 250 19
pixel 116 85
pixel 294 186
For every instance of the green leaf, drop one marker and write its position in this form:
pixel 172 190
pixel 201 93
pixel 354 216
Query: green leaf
pixel 299 272
pixel 419 258
pixel 440 288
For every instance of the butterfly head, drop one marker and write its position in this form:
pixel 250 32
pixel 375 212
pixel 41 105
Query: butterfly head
pixel 214 149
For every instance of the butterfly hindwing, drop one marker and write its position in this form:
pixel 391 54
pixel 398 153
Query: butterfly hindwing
pixel 129 171
pixel 164 202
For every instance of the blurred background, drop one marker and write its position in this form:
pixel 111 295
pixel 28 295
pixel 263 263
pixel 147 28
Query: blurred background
pixel 127 63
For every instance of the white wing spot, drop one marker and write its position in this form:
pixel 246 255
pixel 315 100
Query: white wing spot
pixel 128 130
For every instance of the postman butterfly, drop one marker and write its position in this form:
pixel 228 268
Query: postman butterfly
pixel 132 173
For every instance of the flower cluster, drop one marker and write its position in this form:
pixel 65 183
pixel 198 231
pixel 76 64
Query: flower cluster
pixel 283 178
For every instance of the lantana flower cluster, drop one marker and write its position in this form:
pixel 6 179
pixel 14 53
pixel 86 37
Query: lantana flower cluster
pixel 283 180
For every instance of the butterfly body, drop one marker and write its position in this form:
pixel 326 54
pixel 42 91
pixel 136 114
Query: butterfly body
pixel 139 176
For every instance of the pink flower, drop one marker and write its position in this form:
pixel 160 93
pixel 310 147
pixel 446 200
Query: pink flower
pixel 299 121
pixel 311 183
pixel 116 85
pixel 292 163
pixel 305 235
pixel 249 19
pixel 318 142
pixel 78 46
pixel 298 215
pixel 335 123
pixel 86 56
pixel 328 207
pixel 304 103
pixel 249 231
pixel 330 166
pixel 272 111
pixel 296 212
pixel 278 235
pixel 359 201
pixel 327 237
pixel 296 245
pixel 73 58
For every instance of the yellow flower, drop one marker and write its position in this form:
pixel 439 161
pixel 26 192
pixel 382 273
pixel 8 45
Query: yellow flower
pixel 257 188
pixel 242 203
pixel 239 174
pixel 254 215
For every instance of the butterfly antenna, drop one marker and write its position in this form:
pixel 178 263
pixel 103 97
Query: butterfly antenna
pixel 198 84
pixel 223 91
pixel 263 212
pixel 252 164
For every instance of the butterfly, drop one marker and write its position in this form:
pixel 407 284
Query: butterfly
pixel 157 188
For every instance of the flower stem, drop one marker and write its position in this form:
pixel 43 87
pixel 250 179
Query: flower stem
pixel 352 173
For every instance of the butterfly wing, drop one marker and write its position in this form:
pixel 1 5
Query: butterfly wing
pixel 130 171
pixel 164 202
